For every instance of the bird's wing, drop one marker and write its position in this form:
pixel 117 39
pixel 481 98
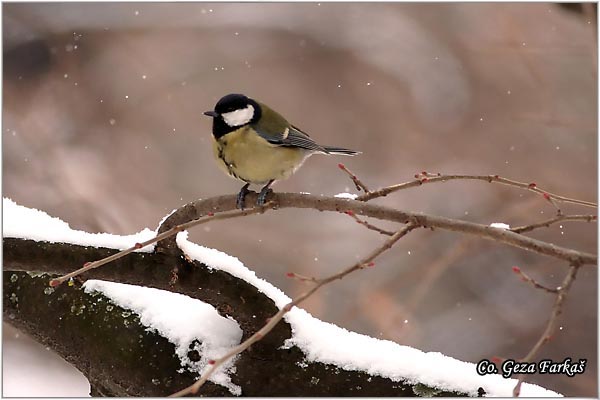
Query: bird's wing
pixel 290 137
pixel 281 133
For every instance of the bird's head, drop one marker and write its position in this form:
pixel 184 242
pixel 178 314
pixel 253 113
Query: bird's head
pixel 235 110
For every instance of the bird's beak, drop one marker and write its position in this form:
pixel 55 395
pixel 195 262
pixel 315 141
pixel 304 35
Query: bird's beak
pixel 211 114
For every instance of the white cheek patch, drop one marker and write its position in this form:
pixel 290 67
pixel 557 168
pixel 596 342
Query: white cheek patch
pixel 239 117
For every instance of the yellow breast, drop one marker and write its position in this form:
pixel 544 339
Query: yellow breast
pixel 244 155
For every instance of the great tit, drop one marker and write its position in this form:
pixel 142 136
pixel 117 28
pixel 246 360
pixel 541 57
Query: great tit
pixel 254 144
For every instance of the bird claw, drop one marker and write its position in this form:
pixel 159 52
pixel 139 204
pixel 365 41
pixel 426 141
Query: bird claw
pixel 264 192
pixel 262 196
pixel 241 197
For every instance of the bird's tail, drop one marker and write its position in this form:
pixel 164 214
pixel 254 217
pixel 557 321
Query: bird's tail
pixel 340 151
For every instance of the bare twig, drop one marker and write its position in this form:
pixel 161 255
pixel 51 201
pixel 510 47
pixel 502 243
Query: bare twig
pixel 533 282
pixel 547 223
pixel 425 177
pixel 367 261
pixel 357 182
pixel 368 225
pixel 176 229
pixel 549 331
pixel 302 278
pixel 552 201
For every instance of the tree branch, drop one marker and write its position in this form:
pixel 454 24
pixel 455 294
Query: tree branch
pixel 169 233
pixel 425 177
pixel 367 225
pixel 533 282
pixel 197 209
pixel 357 182
pixel 551 326
pixel 548 222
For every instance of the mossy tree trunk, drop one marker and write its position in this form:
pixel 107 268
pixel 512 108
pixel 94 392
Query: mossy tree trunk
pixel 120 357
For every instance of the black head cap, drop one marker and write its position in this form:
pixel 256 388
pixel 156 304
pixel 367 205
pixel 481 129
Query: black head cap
pixel 229 103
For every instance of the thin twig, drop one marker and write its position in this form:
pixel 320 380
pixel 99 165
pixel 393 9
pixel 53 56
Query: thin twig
pixel 425 177
pixel 368 225
pixel 302 278
pixel 533 282
pixel 547 223
pixel 357 182
pixel 367 261
pixel 549 331
pixel 176 229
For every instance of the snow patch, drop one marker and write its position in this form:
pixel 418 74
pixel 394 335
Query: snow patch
pixel 193 320
pixel 350 196
pixel 500 225
pixel 218 260
pixel 29 223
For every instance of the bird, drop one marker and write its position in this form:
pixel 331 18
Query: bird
pixel 255 144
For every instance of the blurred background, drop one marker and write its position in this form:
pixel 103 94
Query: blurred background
pixel 103 128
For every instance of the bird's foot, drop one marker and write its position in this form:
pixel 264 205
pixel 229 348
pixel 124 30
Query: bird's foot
pixel 262 196
pixel 241 197
pixel 264 192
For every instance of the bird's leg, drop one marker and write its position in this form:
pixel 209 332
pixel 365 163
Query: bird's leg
pixel 241 197
pixel 264 192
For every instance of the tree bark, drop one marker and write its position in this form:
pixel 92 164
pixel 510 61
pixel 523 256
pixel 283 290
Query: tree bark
pixel 120 358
